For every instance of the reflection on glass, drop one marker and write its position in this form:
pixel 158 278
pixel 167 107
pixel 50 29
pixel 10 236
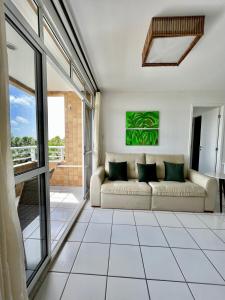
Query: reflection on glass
pixel 23 120
pixel 29 10
pixel 31 222
pixel 55 48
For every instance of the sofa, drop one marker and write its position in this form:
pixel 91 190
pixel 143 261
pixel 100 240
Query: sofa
pixel 197 194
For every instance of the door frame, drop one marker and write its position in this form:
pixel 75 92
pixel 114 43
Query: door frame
pixel 84 146
pixel 42 136
pixel 221 139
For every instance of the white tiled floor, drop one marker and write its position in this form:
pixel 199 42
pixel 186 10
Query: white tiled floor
pixel 151 236
pixel 92 259
pixel 164 290
pixel 179 237
pixel 124 234
pixel 125 261
pixel 133 255
pixel 126 289
pixel 160 264
pixel 66 258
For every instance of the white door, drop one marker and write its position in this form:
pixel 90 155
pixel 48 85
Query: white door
pixel 209 141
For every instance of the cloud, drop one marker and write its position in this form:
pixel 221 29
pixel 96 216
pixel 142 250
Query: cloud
pixel 25 100
pixel 22 120
pixel 13 123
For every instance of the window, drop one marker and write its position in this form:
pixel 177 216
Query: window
pixel 23 104
pixel 23 129
pixel 55 48
pixel 29 10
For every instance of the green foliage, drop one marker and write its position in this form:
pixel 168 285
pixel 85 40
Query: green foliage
pixel 148 119
pixel 56 141
pixel 135 137
pixel 23 141
pixel 22 155
pixel 54 153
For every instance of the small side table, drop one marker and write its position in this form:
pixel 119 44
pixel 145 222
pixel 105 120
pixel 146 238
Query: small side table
pixel 221 178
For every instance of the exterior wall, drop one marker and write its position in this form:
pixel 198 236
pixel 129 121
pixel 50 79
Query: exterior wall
pixel 69 172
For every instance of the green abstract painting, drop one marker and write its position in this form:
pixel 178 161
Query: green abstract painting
pixel 146 137
pixel 142 128
pixel 142 119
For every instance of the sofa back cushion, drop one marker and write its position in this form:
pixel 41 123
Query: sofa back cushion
pixel 132 159
pixel 159 160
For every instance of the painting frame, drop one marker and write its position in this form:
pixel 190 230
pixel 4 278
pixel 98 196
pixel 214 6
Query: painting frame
pixel 142 128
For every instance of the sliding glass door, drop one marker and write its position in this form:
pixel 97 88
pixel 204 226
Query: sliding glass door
pixel 43 75
pixel 27 120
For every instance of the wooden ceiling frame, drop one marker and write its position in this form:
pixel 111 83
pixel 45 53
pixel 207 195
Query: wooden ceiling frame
pixel 166 27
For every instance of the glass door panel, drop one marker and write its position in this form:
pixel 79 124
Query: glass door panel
pixel 32 222
pixel 65 152
pixel 23 102
pixel 28 147
pixel 29 10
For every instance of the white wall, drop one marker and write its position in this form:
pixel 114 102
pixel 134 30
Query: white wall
pixel 175 119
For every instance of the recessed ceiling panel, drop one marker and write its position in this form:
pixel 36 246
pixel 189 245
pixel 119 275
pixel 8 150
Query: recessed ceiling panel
pixel 168 50
pixel 170 39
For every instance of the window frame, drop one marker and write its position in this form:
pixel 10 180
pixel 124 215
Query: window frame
pixel 13 12
pixel 42 171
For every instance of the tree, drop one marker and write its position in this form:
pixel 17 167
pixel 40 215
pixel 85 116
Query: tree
pixel 23 141
pixel 56 141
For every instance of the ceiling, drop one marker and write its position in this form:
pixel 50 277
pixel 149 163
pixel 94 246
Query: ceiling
pixel 113 34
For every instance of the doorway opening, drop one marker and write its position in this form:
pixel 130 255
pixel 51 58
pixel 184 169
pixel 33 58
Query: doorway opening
pixel 65 144
pixel 206 122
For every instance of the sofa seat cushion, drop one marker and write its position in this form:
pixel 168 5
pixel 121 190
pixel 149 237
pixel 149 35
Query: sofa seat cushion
pixel 177 189
pixel 130 187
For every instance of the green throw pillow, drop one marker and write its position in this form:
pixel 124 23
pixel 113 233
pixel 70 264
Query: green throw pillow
pixel 174 172
pixel 118 171
pixel 147 172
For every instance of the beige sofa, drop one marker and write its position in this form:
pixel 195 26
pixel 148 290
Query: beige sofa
pixel 197 194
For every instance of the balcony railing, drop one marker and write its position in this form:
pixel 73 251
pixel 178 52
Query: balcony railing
pixel 29 153
pixel 56 153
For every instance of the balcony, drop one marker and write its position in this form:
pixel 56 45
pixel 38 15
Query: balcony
pixel 65 174
pixel 26 154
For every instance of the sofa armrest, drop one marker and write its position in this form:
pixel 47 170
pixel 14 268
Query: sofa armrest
pixel 97 179
pixel 209 184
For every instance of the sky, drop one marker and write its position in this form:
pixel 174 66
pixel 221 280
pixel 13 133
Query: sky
pixel 56 117
pixel 23 114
